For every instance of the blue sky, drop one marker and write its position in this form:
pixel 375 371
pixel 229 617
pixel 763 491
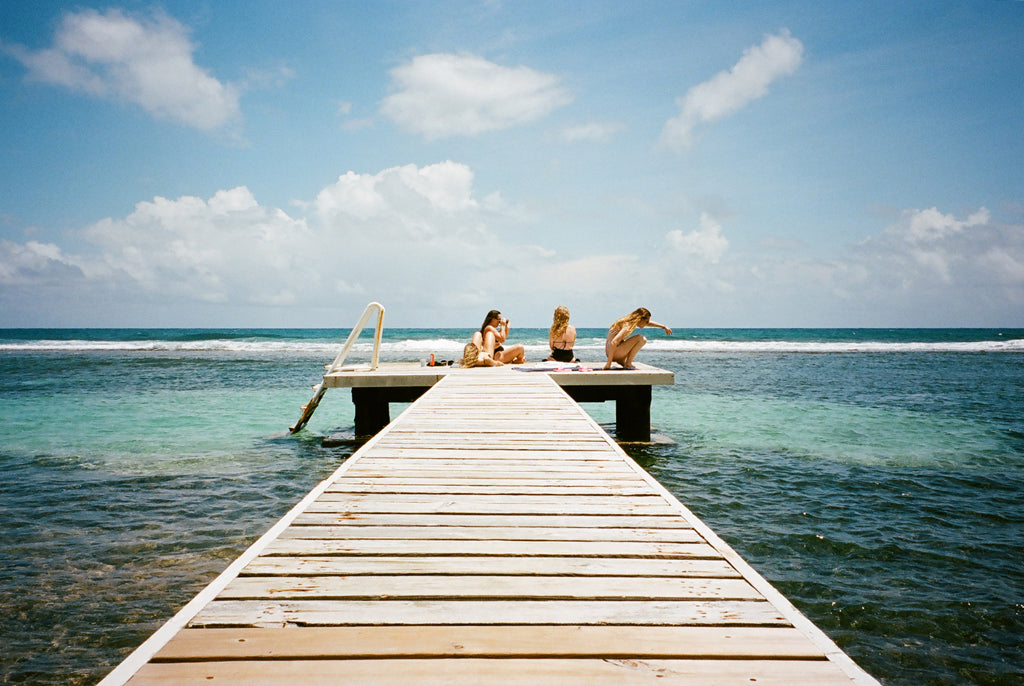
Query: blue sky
pixel 724 164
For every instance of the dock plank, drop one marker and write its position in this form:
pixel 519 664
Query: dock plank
pixel 412 565
pixel 467 533
pixel 507 672
pixel 491 641
pixel 370 546
pixel 494 587
pixel 272 612
pixel 499 520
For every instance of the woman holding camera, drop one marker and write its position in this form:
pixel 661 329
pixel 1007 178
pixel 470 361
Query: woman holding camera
pixel 491 339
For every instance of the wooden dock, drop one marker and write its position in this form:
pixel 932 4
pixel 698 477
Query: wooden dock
pixel 630 390
pixel 492 534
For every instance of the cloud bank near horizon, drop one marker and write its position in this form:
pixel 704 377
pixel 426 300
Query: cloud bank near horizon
pixel 427 224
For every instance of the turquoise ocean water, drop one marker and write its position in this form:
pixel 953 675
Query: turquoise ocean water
pixel 876 477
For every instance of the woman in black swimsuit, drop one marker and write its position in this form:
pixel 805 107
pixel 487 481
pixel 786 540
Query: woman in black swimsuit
pixel 562 337
pixel 491 338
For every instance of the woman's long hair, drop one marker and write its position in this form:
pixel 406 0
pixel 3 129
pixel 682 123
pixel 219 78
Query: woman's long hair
pixel 632 320
pixel 490 315
pixel 470 355
pixel 560 322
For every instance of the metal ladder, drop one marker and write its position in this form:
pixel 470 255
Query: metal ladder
pixel 320 389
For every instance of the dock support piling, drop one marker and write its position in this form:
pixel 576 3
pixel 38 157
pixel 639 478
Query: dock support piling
pixel 633 414
pixel 372 405
pixel 373 412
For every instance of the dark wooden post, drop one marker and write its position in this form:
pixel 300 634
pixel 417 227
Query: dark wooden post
pixel 372 410
pixel 633 413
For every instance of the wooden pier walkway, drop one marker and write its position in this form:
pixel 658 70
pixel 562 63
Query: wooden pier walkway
pixel 492 534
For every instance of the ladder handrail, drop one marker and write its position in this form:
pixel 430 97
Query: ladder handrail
pixel 321 388
pixel 354 334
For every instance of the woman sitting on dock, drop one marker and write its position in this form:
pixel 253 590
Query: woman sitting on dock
pixel 491 338
pixel 562 337
pixel 620 347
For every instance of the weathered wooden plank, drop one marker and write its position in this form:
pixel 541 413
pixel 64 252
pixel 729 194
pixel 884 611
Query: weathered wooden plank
pixel 302 546
pixel 572 424
pixel 224 613
pixel 497 467
pixel 497 520
pixel 372 478
pixel 494 587
pixel 385 483
pixel 378 470
pixel 609 642
pixel 481 468
pixel 483 533
pixel 469 444
pixel 488 489
pixel 485 452
pixel 470 500
pixel 542 440
pixel 351 565
pixel 454 504
pixel 507 672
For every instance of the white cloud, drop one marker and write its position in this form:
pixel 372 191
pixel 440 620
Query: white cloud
pixel 144 61
pixel 961 271
pixel 729 91
pixel 406 196
pixel 927 244
pixel 444 95
pixel 599 132
pixel 707 244
pixel 922 226
pixel 33 263
pixel 228 248
pixel 416 238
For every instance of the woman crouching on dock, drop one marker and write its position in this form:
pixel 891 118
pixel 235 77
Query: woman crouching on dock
pixel 620 347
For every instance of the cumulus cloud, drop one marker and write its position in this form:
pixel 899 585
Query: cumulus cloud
pixel 146 61
pixel 407 197
pixel 931 246
pixel 414 236
pixel 226 248
pixel 728 91
pixel 34 263
pixel 444 95
pixel 706 243
pixel 928 268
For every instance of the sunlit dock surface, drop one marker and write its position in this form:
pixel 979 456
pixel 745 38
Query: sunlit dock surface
pixel 630 390
pixel 493 533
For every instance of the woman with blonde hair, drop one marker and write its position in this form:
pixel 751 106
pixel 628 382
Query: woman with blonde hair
pixel 562 337
pixel 620 346
pixel 474 356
